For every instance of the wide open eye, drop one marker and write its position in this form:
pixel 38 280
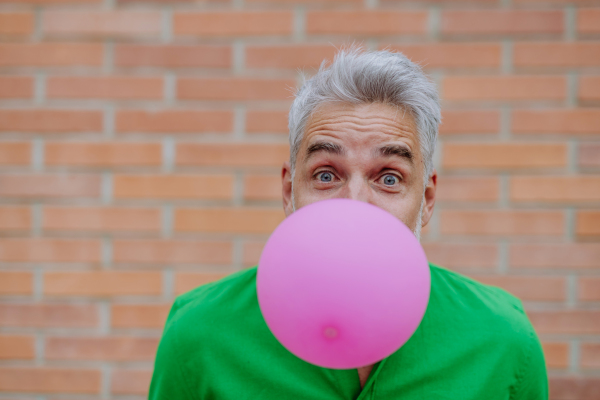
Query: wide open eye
pixel 390 180
pixel 325 177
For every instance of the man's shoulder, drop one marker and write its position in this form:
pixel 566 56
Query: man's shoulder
pixel 216 299
pixel 473 299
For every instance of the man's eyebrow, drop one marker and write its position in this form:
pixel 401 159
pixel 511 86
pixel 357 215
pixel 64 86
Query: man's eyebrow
pixel 395 150
pixel 327 147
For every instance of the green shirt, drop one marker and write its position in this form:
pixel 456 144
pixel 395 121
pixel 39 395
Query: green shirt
pixel 474 342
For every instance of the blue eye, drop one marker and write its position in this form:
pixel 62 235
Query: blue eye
pixel 326 177
pixel 390 180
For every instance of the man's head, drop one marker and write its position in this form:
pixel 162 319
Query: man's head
pixel 365 128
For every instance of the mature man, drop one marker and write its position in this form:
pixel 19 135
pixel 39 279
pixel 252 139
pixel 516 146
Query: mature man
pixel 364 128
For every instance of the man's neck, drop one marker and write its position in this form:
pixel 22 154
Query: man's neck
pixel 363 374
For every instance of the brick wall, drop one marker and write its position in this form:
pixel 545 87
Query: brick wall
pixel 141 144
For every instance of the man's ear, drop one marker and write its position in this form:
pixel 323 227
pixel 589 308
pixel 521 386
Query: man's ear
pixel 429 198
pixel 286 188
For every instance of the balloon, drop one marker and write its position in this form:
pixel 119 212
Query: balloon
pixel 342 284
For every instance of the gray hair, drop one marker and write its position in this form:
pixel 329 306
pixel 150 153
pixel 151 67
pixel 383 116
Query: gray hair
pixel 359 77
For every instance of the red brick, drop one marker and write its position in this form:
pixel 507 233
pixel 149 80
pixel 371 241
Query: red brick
pixel 103 283
pixel 457 256
pixel 589 88
pixel 590 356
pixel 16 283
pixel 288 56
pixel 211 187
pixel 312 2
pixel 234 89
pixel 14 218
pixel 529 288
pixel 588 223
pixel 165 2
pixel 228 220
pixel 48 315
pixel 49 250
pixel 232 23
pixel 174 121
pixel 266 121
pixel 127 381
pixel 589 155
pixel 588 20
pixel 94 219
pixel 589 288
pixel 50 186
pixel 50 121
pixel 51 54
pixel 110 87
pixel 16 24
pixel 113 24
pixel 114 348
pixel 504 156
pixel 558 121
pixel 501 22
pixel 552 54
pixel 172 56
pixel 366 22
pixel 17 347
pixel 16 87
pixel 556 354
pixel 472 189
pixel 50 380
pixel 186 281
pixel 504 88
pixel 555 189
pixel 500 222
pixel 103 154
pixel 15 153
pixel 554 2
pixel 565 322
pixel 452 55
pixel 172 252
pixel 555 256
pixel 139 315
pixel 251 252
pixel 50 2
pixel 470 121
pixel 231 154
pixel 262 187
pixel 574 388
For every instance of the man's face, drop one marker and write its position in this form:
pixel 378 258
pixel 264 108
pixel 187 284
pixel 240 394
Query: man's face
pixel 366 152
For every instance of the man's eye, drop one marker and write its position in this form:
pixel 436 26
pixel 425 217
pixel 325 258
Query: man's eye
pixel 325 177
pixel 390 180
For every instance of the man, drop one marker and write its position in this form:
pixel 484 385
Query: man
pixel 365 128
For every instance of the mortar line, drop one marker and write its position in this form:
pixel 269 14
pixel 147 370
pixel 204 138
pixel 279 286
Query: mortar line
pixel 434 19
pixel 166 24
pixel 238 57
pixel 37 155
pixel 507 55
pixel 170 88
pixel 299 24
pixel 107 187
pixel 168 286
pixel 108 120
pixel 239 122
pixel 238 253
pixel 108 62
pixel 570 22
pixel 168 155
pixel 39 87
pixel 167 217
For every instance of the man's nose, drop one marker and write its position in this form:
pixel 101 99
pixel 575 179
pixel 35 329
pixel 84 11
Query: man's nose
pixel 357 188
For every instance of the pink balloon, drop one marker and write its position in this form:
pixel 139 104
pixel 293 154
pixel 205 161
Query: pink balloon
pixel 342 284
